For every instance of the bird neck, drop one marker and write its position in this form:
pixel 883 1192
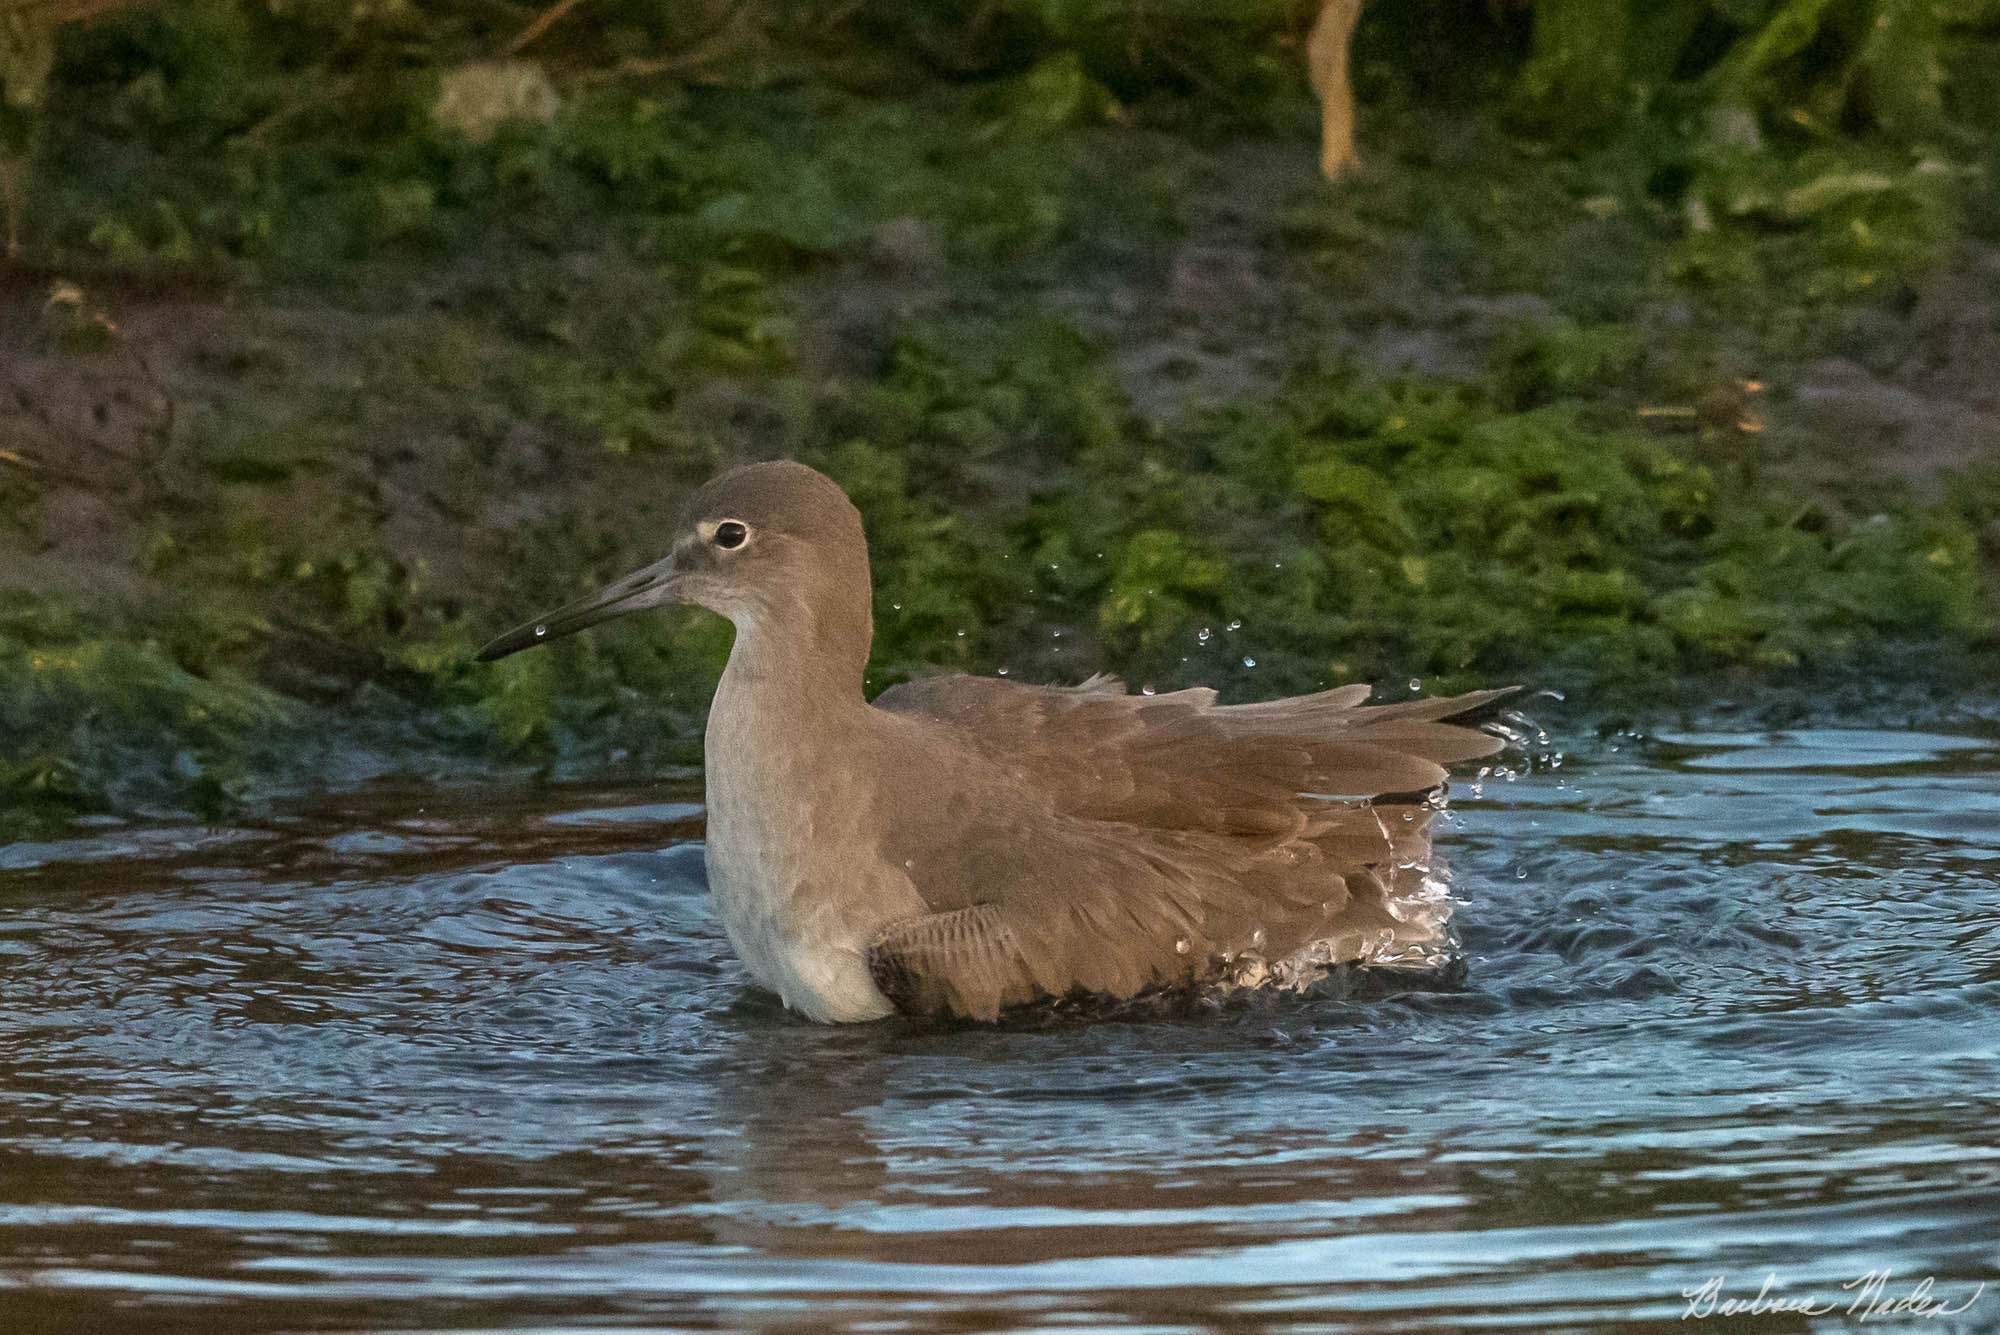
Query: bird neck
pixel 805 654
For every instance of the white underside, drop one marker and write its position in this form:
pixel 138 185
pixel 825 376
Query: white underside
pixel 813 961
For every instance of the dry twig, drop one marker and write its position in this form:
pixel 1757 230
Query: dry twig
pixel 545 20
pixel 710 49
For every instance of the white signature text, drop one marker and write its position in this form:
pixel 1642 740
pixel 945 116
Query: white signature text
pixel 1870 1298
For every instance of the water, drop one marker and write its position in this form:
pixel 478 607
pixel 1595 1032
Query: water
pixel 415 1059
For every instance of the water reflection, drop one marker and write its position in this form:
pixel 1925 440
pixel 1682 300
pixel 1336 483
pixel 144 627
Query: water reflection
pixel 409 1059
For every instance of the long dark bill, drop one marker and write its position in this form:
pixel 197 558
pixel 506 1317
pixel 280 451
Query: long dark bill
pixel 639 590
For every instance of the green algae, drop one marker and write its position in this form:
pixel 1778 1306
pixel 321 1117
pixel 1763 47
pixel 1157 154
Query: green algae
pixel 94 718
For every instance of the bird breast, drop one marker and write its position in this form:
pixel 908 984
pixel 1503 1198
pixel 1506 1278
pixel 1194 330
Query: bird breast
pixel 797 895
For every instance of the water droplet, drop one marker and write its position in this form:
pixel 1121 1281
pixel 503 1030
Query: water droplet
pixel 1003 672
pixel 1147 690
pixel 1416 684
pixel 1181 946
pixel 541 631
pixel 1236 625
pixel 897 606
pixel 1054 566
pixel 1277 565
pixel 961 635
pixel 1202 635
pixel 1249 662
pixel 1055 635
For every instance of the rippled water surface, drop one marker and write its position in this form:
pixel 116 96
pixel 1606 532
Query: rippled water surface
pixel 409 1059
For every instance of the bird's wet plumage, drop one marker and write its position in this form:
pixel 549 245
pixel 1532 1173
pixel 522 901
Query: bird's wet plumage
pixel 964 844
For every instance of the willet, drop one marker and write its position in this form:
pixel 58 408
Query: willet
pixel 964 844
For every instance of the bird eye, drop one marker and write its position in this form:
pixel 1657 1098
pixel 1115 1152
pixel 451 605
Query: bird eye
pixel 731 534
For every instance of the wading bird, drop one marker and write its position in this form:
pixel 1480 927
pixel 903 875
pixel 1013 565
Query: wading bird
pixel 964 844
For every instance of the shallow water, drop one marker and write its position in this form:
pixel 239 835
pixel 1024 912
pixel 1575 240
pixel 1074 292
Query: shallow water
pixel 410 1059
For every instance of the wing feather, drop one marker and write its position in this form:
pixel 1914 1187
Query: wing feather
pixel 1138 842
pixel 1180 761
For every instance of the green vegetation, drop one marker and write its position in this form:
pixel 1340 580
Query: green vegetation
pixel 1050 287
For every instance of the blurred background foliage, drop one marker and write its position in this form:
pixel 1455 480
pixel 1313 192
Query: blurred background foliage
pixel 285 125
pixel 496 280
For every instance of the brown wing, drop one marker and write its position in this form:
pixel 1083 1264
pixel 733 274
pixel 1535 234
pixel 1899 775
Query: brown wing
pixel 1181 761
pixel 1036 905
pixel 1143 841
